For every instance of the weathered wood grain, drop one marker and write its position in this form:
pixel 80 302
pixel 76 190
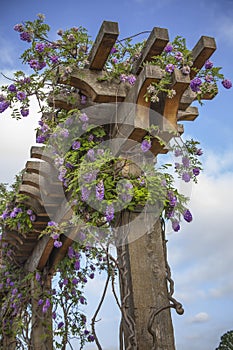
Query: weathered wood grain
pixel 154 46
pixel 103 44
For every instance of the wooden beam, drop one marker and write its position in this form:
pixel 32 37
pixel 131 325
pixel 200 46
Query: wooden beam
pixel 171 105
pixel 154 45
pixel 40 254
pixel 88 82
pixel 201 52
pixel 103 44
pixel 190 114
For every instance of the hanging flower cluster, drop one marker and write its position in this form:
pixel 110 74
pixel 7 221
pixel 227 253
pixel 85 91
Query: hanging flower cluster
pixel 176 56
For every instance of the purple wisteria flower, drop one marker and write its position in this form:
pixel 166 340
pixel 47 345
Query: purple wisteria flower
pixel 186 177
pixel 5 214
pixel 29 212
pixel 62 174
pixel 195 84
pixel 32 217
pixel 179 56
pixel 82 236
pixel 21 95
pixel 169 68
pixel 41 138
pixel 25 36
pixel 40 47
pixel 60 325
pixel 3 106
pixel 168 48
pixel 24 112
pixel 178 152
pixel 46 306
pixel 145 145
pixel 38 276
pixel 186 162
pixel 76 145
pixel 91 155
pixel 113 50
pixel 82 300
pixel 12 88
pixel 84 118
pixel 123 78
pixel 208 64
pixel 90 338
pixel 42 65
pixel 69 165
pixel 109 213
pixel 85 193
pixel 209 78
pixel 58 161
pixel 77 265
pixel 199 152
pixel 74 281
pixel 99 190
pixel 64 133
pixel 196 171
pixel 71 252
pixel 34 64
pixel 52 223
pixel 187 215
pixel 175 225
pixel 131 79
pixel 55 236
pixel 57 244
pixel 227 83
pixel 25 80
pixel 54 59
pixel 18 28
pixel 83 99
pixel 172 199
pixel 65 281
pixel 89 177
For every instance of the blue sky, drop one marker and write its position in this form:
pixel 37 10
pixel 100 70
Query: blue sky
pixel 200 255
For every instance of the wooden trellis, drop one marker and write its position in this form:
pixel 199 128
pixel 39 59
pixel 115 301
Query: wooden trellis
pixel 145 259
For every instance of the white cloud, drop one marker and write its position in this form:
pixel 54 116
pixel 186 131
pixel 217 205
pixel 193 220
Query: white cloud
pixel 16 139
pixel 200 318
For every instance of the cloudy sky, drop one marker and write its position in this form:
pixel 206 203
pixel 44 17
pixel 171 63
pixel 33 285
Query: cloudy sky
pixel 200 255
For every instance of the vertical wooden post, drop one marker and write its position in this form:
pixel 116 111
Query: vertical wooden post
pixel 8 342
pixel 41 335
pixel 144 269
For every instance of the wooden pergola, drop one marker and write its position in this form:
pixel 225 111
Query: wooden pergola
pixel 147 286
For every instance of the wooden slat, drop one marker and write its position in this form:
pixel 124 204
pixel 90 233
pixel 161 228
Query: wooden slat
pixel 154 45
pixel 40 254
pixel 171 105
pixel 43 169
pixel 133 117
pixel 190 114
pixel 103 44
pixel 44 184
pixel 202 51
